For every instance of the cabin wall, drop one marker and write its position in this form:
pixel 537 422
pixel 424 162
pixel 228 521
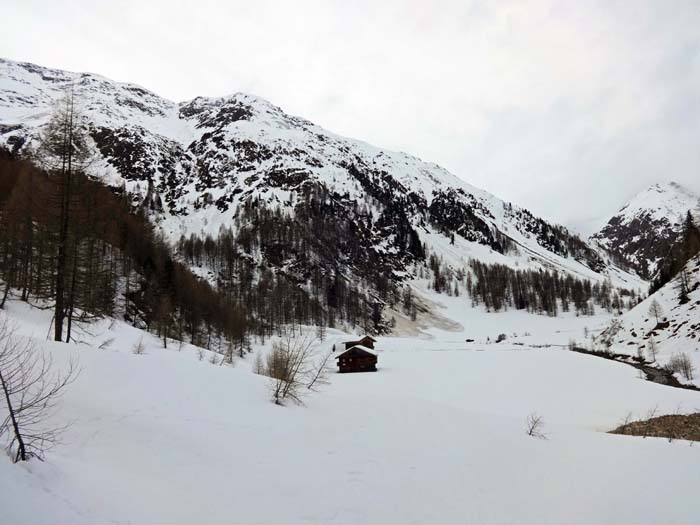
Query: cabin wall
pixel 357 364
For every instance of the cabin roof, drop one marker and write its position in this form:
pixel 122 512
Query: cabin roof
pixel 360 348
pixel 362 339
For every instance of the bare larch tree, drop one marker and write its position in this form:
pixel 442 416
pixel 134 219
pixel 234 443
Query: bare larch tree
pixel 63 151
pixel 655 310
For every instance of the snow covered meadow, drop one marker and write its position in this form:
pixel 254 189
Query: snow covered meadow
pixel 437 435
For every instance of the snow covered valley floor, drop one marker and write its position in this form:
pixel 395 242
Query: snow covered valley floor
pixel 437 435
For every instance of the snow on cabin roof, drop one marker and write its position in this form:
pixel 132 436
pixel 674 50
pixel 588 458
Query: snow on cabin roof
pixel 358 347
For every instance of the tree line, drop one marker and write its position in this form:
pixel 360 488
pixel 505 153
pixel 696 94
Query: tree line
pixel 309 267
pixel 498 287
pixel 70 244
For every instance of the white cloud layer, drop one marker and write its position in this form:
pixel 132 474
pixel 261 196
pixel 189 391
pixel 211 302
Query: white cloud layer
pixel 565 107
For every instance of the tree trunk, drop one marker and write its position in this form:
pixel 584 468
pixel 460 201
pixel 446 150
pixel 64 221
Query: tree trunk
pixel 26 266
pixel 60 277
pixel 4 295
pixel 9 277
pixel 71 297
pixel 21 449
pixel 63 230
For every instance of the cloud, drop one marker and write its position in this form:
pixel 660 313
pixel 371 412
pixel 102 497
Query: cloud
pixel 567 108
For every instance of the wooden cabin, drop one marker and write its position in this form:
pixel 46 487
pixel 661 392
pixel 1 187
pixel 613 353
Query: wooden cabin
pixel 359 358
pixel 367 341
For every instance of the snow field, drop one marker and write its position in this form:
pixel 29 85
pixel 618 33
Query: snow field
pixel 436 436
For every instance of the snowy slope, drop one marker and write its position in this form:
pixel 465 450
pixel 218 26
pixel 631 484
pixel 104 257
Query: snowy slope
pixel 678 330
pixel 436 436
pixel 643 231
pixel 206 156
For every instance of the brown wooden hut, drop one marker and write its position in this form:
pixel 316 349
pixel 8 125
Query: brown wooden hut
pixel 367 341
pixel 357 359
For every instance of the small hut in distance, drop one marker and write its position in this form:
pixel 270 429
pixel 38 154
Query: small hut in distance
pixel 358 356
pixel 367 341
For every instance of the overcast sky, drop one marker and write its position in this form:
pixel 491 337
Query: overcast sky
pixel 566 108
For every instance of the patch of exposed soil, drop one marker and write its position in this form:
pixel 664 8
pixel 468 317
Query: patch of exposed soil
pixel 670 427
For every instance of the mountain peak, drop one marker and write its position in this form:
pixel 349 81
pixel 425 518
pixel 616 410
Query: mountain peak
pixel 643 231
pixel 669 187
pixel 668 200
pixel 238 97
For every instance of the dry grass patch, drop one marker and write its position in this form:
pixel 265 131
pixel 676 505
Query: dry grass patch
pixel 672 427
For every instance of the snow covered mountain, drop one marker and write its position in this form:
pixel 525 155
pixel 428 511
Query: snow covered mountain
pixel 372 212
pixel 641 234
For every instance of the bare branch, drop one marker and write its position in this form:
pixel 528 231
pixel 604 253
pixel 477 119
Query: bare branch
pixel 30 392
pixel 534 426
pixel 321 369
pixel 291 366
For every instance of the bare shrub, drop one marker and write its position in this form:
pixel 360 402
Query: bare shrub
pixel 139 348
pixel 200 353
pixel 651 414
pixel 625 422
pixel 287 365
pixel 534 426
pixel 31 391
pixel 214 358
pixel 681 363
pixel 294 367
